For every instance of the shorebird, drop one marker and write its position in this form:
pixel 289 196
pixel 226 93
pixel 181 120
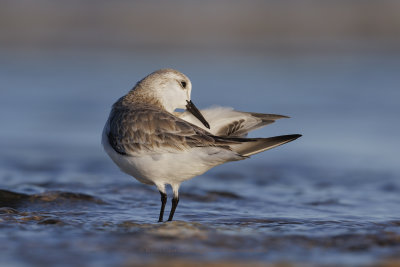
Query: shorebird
pixel 148 140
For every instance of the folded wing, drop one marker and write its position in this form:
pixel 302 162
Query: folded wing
pixel 144 129
pixel 138 130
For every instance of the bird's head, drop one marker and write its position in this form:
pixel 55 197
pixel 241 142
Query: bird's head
pixel 171 89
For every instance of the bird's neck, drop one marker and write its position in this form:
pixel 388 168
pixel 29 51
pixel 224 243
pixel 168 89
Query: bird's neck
pixel 137 98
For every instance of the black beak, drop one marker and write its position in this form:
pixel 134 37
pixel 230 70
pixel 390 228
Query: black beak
pixel 192 109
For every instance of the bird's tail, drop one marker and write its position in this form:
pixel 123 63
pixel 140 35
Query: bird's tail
pixel 257 145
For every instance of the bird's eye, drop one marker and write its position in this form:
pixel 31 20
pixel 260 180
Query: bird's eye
pixel 183 83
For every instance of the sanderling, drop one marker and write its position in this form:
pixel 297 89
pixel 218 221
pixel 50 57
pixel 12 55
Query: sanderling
pixel 148 140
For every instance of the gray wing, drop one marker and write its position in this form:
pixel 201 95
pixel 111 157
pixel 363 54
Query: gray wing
pixel 228 122
pixel 157 131
pixel 242 126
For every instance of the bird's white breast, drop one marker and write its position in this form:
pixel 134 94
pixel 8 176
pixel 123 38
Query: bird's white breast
pixel 168 168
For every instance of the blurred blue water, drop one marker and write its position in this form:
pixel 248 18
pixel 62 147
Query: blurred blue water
pixel 345 105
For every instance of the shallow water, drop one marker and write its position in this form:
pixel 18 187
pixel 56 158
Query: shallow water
pixel 272 214
pixel 329 198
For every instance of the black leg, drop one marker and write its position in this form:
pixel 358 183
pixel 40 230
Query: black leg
pixel 163 202
pixel 175 201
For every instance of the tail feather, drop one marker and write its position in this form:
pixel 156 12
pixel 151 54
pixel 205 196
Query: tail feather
pixel 257 145
pixel 268 117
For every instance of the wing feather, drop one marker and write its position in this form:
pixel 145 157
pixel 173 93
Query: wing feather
pixel 228 122
pixel 134 130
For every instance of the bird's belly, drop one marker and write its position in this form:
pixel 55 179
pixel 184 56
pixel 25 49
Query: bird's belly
pixel 165 168
pixel 168 168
